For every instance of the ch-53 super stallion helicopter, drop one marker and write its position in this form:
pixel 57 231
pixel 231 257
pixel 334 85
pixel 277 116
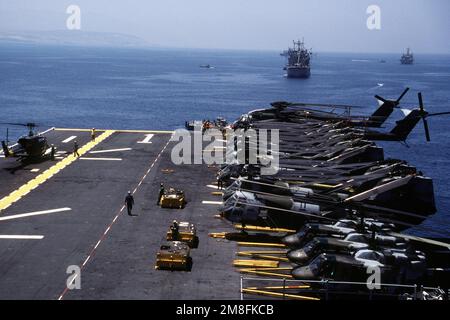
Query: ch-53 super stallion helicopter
pixel 283 109
pixel 31 147
pixel 340 126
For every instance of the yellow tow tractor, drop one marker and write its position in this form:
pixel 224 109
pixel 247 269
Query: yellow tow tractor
pixel 183 231
pixel 174 255
pixel 173 199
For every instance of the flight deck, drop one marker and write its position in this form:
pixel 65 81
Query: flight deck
pixel 70 212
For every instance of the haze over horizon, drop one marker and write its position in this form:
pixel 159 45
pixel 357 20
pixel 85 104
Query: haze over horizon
pixel 326 25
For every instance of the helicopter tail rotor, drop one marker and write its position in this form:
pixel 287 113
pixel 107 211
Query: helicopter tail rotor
pixel 394 102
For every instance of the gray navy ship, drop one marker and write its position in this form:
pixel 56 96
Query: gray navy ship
pixel 407 58
pixel 298 61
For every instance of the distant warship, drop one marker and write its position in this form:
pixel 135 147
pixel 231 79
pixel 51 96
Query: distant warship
pixel 298 64
pixel 407 58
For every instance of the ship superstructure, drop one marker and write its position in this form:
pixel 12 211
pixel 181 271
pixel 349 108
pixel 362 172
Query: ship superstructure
pixel 298 61
pixel 408 57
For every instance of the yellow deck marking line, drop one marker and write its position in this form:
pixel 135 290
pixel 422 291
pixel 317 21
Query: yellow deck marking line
pixel 120 131
pixel 47 174
pixel 278 294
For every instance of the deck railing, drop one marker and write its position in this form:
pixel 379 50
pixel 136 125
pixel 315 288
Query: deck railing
pixel 329 289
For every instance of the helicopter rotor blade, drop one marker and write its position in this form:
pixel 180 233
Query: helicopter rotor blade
pixel 427 132
pixel 329 105
pixel 381 99
pixel 14 124
pixel 424 114
pixel 437 114
pixel 401 96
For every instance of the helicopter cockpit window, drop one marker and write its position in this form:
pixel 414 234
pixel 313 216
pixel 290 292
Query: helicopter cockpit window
pixel 318 264
pixel 356 238
pixel 372 255
pixel 310 247
pixel 345 224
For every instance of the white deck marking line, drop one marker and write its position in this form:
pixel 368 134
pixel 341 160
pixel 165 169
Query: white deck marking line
pixel 101 159
pixel 2 156
pixel 94 249
pixel 111 150
pixel 147 138
pixel 212 202
pixel 69 139
pixel 35 170
pixel 96 245
pixel 20 237
pixel 30 214
pixel 86 261
pixel 211 186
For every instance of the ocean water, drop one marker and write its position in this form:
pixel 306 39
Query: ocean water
pixel 161 89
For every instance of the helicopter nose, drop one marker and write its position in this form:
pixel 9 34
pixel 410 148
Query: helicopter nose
pixel 297 256
pixel 292 240
pixel 303 273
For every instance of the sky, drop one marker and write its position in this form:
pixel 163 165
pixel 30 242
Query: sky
pixel 326 25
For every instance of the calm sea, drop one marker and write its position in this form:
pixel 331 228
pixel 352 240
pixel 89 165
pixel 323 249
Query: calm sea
pixel 160 89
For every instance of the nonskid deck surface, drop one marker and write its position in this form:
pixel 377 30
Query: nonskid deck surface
pixel 73 215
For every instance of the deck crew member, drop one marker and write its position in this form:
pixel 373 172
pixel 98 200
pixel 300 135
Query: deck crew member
pixel 75 149
pixel 52 153
pixel 129 202
pixel 219 183
pixel 161 193
pixel 93 134
pixel 174 228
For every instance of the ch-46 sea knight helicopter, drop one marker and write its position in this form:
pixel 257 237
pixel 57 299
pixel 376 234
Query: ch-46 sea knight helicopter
pixel 31 147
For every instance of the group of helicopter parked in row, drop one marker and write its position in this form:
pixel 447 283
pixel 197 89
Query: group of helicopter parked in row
pixel 336 189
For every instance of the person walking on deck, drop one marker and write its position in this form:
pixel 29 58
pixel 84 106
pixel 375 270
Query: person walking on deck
pixel 129 202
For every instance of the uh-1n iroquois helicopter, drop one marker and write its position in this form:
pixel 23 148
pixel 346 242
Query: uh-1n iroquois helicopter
pixel 30 147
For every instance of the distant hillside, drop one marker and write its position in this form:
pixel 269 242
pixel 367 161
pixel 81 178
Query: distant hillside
pixel 74 37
